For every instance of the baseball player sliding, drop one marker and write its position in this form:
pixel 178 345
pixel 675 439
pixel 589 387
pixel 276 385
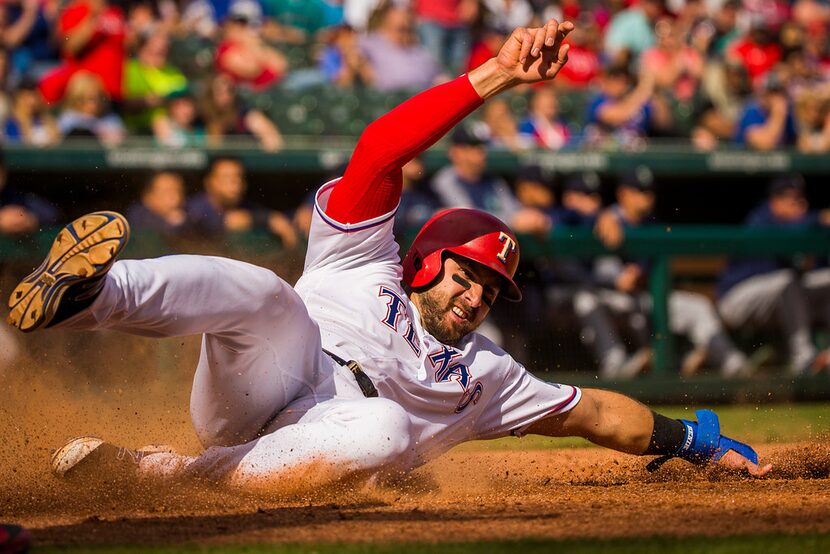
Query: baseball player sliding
pixel 369 365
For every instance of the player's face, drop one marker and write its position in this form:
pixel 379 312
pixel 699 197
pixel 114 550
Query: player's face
pixel 457 304
pixel 789 206
pixel 586 204
pixel 166 195
pixel 226 183
pixel 638 201
pixel 470 161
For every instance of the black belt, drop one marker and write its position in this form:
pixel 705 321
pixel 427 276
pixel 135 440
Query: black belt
pixel 363 381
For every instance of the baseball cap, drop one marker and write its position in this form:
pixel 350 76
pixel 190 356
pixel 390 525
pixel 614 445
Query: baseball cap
pixel 246 11
pixel 641 178
pixel 182 92
pixel 470 135
pixel 536 174
pixel 587 182
pixel 784 183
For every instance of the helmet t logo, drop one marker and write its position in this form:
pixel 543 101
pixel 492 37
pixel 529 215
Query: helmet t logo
pixel 509 247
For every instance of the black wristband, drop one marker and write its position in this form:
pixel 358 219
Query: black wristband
pixel 667 437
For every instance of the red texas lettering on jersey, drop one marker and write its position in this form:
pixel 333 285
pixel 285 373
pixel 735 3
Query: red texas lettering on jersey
pixel 446 371
pixel 395 312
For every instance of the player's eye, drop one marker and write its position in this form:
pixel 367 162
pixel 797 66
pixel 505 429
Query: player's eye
pixel 490 297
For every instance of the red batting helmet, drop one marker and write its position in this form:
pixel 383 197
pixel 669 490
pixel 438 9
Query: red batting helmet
pixel 472 234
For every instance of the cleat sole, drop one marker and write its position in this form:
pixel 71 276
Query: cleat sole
pixel 84 249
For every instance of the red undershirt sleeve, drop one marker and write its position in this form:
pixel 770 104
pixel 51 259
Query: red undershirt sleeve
pixel 371 185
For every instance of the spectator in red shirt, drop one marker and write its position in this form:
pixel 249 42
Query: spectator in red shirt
pixel 677 67
pixel 243 55
pixel 758 51
pixel 487 46
pixel 584 64
pixel 444 29
pixel 91 37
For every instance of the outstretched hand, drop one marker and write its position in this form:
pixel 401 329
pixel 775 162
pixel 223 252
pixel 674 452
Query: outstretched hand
pixel 535 54
pixel 735 462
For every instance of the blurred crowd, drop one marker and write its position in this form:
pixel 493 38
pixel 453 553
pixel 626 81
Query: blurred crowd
pixel 750 73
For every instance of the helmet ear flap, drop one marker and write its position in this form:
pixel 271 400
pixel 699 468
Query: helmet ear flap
pixel 417 261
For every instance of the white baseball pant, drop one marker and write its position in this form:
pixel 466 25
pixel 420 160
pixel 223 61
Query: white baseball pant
pixel 266 402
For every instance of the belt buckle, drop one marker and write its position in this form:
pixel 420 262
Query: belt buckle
pixel 363 381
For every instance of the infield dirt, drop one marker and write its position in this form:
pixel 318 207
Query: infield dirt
pixel 134 392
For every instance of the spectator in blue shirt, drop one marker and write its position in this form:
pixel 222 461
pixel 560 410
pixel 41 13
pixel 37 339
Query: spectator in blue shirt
pixel 624 114
pixel 757 292
pixel 161 207
pixel 27 32
pixel 342 62
pixel 767 122
pixel 222 208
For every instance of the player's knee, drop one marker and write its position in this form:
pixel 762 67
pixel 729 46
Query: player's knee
pixel 389 430
pixel 273 295
pixel 268 286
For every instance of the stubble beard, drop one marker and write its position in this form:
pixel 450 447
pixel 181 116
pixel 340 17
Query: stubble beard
pixel 433 313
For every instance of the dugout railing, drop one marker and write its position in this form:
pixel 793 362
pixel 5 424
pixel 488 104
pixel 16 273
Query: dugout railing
pixel 319 154
pixel 660 244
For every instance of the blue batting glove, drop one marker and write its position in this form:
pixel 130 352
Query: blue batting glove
pixel 704 443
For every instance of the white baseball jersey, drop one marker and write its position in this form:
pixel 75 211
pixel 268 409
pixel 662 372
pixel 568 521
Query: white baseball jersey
pixel 472 390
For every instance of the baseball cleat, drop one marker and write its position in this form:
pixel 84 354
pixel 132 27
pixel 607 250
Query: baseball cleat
pixel 92 457
pixel 72 274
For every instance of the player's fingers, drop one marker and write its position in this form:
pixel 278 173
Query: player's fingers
pixel 734 461
pixel 562 58
pixel 538 41
pixel 526 40
pixel 551 28
pixel 562 31
pixel 759 470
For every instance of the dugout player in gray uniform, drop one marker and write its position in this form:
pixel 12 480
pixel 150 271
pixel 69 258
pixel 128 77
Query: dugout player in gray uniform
pixel 690 314
pixel 773 291
pixel 600 327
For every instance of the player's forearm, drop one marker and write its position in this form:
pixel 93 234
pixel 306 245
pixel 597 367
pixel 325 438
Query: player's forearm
pixel 605 418
pixel 620 422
